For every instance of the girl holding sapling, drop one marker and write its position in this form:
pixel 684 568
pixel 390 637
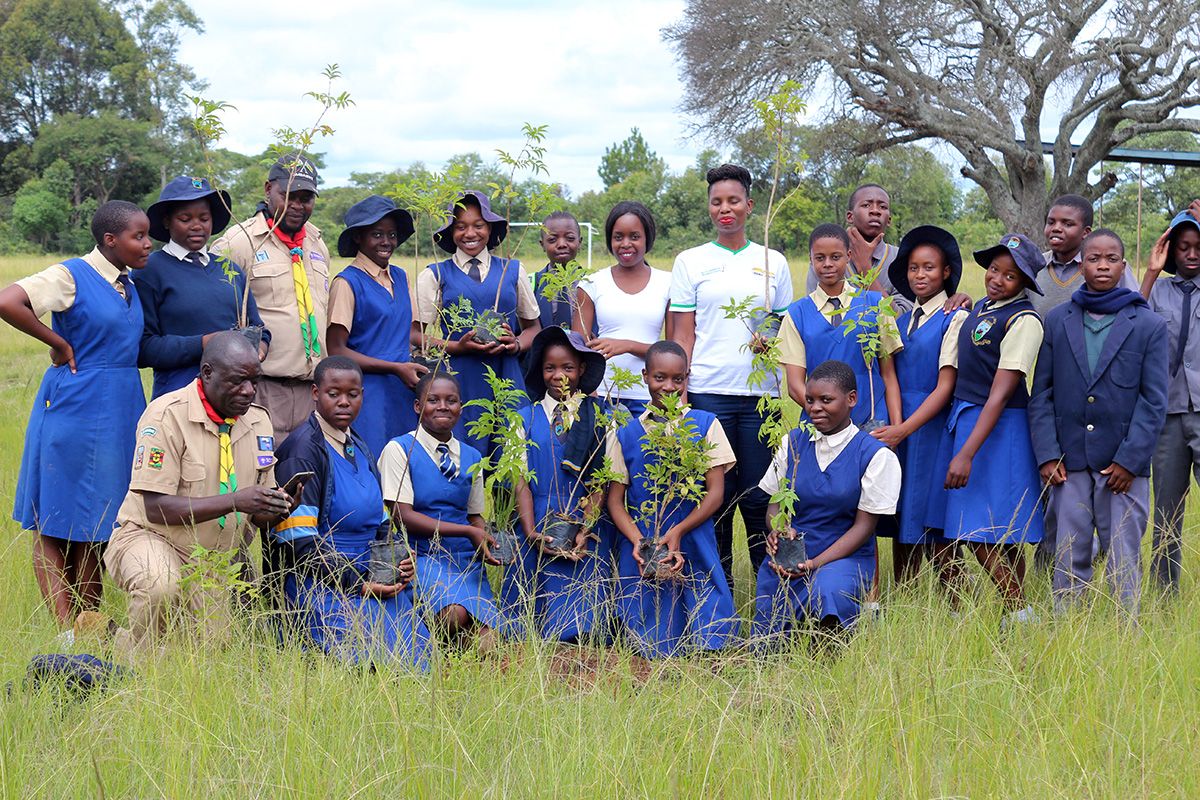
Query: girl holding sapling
pixel 500 297
pixel 673 595
pixel 323 547
pixel 626 303
pixel 563 568
pixel 843 480
pixel 435 490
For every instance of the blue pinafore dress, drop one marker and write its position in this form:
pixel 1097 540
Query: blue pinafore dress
pixel 826 342
pixel 79 443
pixel 382 329
pixel 672 617
pixel 449 570
pixel 567 598
pixel 471 369
pixel 825 509
pixel 922 508
pixel 1001 503
pixel 357 629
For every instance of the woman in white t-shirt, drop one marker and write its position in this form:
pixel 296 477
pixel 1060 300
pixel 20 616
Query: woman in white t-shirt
pixel 627 302
pixel 730 268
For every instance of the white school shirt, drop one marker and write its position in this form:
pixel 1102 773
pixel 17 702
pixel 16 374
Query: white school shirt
pixel 880 482
pixel 948 355
pixel 173 248
pixel 395 479
pixel 620 315
pixel 708 277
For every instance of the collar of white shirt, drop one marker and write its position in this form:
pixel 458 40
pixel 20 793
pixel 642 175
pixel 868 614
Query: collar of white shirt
pixel 428 441
pixel 931 305
pixel 180 252
pixel 828 447
pixel 106 269
pixel 333 435
pixel 485 259
pixel 821 299
pixel 573 402
pixel 1021 295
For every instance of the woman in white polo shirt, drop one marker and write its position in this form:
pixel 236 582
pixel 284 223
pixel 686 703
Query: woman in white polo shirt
pixel 627 302
pixel 705 278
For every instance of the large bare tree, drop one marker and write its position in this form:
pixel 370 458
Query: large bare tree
pixel 989 77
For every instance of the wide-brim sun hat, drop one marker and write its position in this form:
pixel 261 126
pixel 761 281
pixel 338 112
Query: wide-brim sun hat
pixel 367 212
pixel 498 224
pixel 940 238
pixel 1024 252
pixel 185 189
pixel 593 373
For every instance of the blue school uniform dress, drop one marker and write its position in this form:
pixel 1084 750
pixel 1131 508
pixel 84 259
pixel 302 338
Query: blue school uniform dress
pixel 382 329
pixel 456 285
pixel 824 341
pixel 79 442
pixel 346 513
pixel 666 618
pixel 1001 503
pixel 449 570
pixel 568 597
pixel 827 503
pixel 922 508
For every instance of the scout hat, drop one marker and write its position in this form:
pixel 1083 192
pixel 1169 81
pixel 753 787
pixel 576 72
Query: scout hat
pixel 183 190
pixel 295 171
pixel 926 234
pixel 1024 252
pixel 498 223
pixel 367 212
pixel 1182 218
pixel 593 372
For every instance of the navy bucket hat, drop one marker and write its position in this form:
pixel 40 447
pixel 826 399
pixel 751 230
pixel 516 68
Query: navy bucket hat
pixel 1182 218
pixel 1025 253
pixel 940 238
pixel 184 190
pixel 367 212
pixel 498 223
pixel 593 373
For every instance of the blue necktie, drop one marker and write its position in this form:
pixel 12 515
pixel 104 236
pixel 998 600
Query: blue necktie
pixel 127 285
pixel 445 465
pixel 1187 287
pixel 473 270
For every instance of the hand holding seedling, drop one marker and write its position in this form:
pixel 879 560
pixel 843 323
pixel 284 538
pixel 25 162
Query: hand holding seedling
pixel 410 372
pixel 406 569
pixel 483 542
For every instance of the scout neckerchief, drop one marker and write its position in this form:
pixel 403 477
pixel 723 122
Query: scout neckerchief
pixel 304 301
pixel 224 426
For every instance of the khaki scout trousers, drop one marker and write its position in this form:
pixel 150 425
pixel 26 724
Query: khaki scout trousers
pixel 289 402
pixel 150 571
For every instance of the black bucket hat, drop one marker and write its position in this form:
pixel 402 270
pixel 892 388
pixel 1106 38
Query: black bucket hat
pixel 940 238
pixel 1025 253
pixel 367 212
pixel 499 224
pixel 593 373
pixel 184 190
pixel 1182 218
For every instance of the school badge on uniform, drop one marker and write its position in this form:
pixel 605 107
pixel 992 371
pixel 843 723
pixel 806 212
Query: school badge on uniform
pixel 266 443
pixel 156 458
pixel 981 330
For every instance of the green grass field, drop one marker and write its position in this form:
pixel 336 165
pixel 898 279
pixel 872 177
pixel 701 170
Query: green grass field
pixel 920 704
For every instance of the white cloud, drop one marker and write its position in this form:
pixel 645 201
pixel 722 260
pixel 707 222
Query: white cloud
pixel 437 78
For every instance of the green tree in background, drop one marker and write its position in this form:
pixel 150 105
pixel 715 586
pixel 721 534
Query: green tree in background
pixel 630 156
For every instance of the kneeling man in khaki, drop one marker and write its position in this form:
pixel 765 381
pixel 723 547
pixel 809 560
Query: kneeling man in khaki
pixel 203 474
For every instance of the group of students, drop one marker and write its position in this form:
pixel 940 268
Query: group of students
pixel 934 437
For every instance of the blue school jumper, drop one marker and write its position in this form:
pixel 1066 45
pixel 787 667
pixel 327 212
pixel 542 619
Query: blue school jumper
pixel 922 499
pixel 567 597
pixel 449 571
pixel 1001 502
pixel 356 629
pixel 382 328
pixel 825 342
pixel 79 442
pixel 457 285
pixel 826 507
pixel 671 617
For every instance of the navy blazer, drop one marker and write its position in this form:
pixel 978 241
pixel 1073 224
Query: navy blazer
pixel 1089 420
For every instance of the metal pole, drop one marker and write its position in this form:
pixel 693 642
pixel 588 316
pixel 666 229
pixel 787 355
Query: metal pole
pixel 1138 248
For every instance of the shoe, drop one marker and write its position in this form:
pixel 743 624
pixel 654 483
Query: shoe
pixel 95 626
pixel 65 639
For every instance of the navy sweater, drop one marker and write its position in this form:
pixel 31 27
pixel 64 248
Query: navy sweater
pixel 181 303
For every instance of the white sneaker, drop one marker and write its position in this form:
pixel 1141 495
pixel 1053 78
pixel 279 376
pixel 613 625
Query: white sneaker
pixel 65 639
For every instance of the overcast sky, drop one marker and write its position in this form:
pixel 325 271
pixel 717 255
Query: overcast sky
pixel 435 78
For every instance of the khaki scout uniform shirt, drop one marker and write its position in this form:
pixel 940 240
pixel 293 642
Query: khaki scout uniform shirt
pixel 178 453
pixel 268 266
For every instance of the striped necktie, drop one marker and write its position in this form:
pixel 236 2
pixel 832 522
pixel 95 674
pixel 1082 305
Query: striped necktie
pixel 445 465
pixel 228 476
pixel 304 299
pixel 836 319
